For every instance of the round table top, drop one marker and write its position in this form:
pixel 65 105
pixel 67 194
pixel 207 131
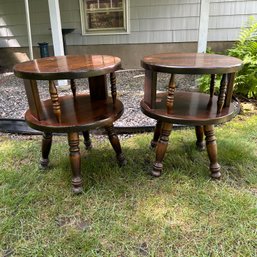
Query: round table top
pixel 191 63
pixel 67 67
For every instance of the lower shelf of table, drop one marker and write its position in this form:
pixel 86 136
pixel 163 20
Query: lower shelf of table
pixel 76 114
pixel 190 108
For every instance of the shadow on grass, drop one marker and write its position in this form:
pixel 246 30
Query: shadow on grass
pixel 182 161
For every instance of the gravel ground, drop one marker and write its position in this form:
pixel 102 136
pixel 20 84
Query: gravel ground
pixel 13 101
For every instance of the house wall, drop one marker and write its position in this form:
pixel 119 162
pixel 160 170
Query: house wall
pixel 161 24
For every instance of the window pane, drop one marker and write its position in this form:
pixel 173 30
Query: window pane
pixel 92 4
pixel 105 3
pixel 105 20
pixel 117 3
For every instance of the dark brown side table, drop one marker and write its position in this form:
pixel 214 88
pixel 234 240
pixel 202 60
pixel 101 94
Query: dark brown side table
pixel 72 113
pixel 191 108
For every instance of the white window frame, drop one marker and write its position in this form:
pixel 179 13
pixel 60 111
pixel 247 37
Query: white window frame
pixel 107 31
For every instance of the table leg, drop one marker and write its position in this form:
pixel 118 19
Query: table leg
pixel 212 151
pixel 45 149
pixel 114 140
pixel 200 145
pixel 156 135
pixel 73 139
pixel 161 148
pixel 87 141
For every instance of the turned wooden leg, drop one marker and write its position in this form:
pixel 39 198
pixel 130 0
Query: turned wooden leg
pixel 156 135
pixel 200 145
pixel 45 149
pixel 73 139
pixel 161 148
pixel 114 140
pixel 87 141
pixel 212 150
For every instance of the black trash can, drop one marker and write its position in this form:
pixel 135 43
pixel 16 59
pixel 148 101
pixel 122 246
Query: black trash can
pixel 44 52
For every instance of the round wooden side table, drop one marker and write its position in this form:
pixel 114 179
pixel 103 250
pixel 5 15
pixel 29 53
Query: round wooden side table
pixel 191 108
pixel 72 113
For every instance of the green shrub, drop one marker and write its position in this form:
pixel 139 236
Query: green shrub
pixel 246 50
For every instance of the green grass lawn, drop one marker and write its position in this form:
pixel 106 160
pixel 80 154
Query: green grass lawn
pixel 124 211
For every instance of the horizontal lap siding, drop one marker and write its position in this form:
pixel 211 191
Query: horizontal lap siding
pixel 151 21
pixel 227 17
pixel 166 21
pixel 13 28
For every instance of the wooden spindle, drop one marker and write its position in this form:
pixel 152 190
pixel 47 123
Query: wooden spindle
pixel 222 94
pixel 73 87
pixel 171 90
pixel 212 85
pixel 113 86
pixel 55 100
pixel 230 87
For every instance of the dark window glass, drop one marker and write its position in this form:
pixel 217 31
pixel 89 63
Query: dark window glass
pixel 105 20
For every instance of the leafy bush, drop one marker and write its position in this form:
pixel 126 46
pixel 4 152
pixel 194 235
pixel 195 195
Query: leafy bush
pixel 204 83
pixel 246 50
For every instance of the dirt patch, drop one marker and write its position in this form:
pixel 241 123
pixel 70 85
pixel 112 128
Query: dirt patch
pixel 248 106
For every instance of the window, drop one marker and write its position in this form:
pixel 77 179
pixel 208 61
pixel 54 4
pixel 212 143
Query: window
pixel 104 16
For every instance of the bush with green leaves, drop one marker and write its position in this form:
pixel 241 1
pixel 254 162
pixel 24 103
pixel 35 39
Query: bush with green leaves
pixel 246 50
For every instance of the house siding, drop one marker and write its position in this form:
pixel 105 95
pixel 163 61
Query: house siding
pixel 151 21
pixel 155 26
